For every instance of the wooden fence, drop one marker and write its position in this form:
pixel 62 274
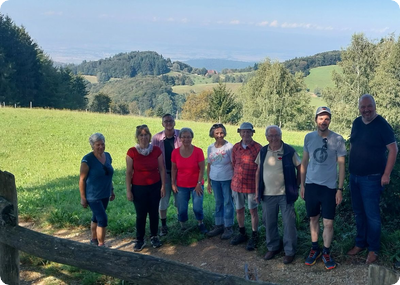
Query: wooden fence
pixel 133 267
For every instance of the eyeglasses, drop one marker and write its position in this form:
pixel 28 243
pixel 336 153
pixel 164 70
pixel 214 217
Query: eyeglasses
pixel 106 172
pixel 325 146
pixel 141 126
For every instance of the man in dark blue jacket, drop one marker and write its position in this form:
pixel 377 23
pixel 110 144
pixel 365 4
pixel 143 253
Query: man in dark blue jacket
pixel 278 176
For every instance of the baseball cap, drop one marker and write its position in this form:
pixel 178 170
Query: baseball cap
pixel 246 126
pixel 323 110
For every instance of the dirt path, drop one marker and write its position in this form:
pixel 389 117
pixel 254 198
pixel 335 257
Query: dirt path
pixel 219 256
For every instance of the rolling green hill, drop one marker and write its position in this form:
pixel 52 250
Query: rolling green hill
pixel 320 77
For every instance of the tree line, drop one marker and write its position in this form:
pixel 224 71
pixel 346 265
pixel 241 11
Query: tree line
pixel 27 74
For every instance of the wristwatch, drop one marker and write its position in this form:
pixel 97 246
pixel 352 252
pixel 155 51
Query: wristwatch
pixel 340 189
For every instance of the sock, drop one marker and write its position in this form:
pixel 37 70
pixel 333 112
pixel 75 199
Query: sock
pixel 164 222
pixel 326 250
pixel 315 245
pixel 242 230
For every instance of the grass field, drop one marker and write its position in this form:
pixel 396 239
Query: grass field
pixel 43 149
pixel 198 88
pixel 321 77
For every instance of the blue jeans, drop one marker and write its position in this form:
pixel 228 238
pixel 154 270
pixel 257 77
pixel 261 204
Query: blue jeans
pixel 224 211
pixel 365 196
pixel 183 198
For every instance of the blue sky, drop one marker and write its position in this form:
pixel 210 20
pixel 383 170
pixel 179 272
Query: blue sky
pixel 251 30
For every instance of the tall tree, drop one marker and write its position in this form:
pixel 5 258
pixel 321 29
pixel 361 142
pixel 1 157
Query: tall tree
pixel 223 106
pixel 358 63
pixel 196 106
pixel 275 96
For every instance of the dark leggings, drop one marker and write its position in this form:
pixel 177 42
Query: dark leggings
pixel 146 199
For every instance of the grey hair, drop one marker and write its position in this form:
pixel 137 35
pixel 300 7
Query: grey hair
pixel 95 138
pixel 369 96
pixel 186 130
pixel 273 127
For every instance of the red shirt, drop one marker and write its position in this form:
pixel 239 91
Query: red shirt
pixel 145 168
pixel 244 167
pixel 187 167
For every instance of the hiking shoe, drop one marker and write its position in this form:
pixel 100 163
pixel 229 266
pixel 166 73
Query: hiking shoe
pixel 139 245
pixel 163 231
pixel 313 256
pixel 217 230
pixel 240 238
pixel 328 261
pixel 94 242
pixel 155 242
pixel 202 228
pixel 252 244
pixel 228 232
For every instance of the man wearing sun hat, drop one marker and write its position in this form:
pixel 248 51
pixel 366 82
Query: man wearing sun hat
pixel 321 186
pixel 244 154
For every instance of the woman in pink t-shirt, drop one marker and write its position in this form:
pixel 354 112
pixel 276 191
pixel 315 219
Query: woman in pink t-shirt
pixel 145 181
pixel 187 171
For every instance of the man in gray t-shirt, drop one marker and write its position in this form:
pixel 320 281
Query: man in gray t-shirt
pixel 320 187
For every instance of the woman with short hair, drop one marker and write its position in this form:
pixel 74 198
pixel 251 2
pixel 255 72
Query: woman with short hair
pixel 187 170
pixel 219 175
pixel 95 186
pixel 145 184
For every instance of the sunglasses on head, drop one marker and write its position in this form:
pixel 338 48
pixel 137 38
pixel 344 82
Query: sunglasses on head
pixel 216 126
pixel 141 126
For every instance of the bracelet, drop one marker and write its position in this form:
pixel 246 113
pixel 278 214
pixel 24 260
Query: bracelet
pixel 198 182
pixel 340 189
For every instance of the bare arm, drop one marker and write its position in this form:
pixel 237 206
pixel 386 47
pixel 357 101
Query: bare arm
pixel 209 186
pixel 257 179
pixel 161 168
pixel 174 171
pixel 303 172
pixel 198 188
pixel 341 162
pixel 391 160
pixel 128 178
pixel 83 173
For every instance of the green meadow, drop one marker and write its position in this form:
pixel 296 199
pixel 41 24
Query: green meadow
pixel 43 149
pixel 321 77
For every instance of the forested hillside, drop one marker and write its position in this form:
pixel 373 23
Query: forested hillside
pixel 28 75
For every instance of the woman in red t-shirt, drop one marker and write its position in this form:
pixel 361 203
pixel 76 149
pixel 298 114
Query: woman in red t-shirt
pixel 187 171
pixel 145 181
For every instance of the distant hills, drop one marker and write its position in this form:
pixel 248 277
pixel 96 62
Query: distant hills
pixel 218 64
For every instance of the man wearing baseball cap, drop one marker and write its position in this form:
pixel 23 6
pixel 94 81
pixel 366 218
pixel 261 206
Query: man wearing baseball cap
pixel 244 154
pixel 321 187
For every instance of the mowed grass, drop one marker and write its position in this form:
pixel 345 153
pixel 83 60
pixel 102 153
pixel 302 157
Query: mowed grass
pixel 43 149
pixel 198 88
pixel 321 77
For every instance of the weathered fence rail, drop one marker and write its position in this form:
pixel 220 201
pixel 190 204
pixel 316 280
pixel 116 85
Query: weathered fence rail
pixel 138 268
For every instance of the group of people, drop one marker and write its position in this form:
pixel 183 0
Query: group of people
pixel 247 173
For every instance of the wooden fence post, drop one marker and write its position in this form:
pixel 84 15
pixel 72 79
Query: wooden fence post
pixel 9 257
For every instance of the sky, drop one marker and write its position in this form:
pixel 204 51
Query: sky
pixel 71 31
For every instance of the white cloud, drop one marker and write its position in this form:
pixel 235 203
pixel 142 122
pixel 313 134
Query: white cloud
pixel 274 23
pixel 171 19
pixel 234 22
pixel 381 31
pixel 264 23
pixel 184 20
